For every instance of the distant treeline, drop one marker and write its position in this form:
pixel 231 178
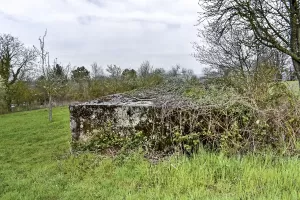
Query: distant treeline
pixel 28 80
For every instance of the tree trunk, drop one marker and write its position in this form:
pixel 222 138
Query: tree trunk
pixel 8 100
pixel 50 108
pixel 8 104
pixel 295 36
pixel 296 65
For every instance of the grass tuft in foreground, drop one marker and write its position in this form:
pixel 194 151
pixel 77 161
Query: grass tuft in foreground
pixel 35 164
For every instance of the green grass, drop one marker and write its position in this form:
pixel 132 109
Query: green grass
pixel 294 86
pixel 35 164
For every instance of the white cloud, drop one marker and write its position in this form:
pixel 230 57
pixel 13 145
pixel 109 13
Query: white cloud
pixel 124 32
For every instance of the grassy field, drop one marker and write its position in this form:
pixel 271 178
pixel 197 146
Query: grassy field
pixel 35 163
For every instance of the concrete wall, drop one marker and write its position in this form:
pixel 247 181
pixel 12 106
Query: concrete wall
pixel 122 119
pixel 118 118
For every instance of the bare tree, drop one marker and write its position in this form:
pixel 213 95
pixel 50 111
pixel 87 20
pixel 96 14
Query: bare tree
pixel 145 69
pixel 175 71
pixel 276 59
pixel 232 52
pixel 52 79
pixel 97 71
pixel 236 51
pixel 114 71
pixel 15 59
pixel 274 24
pixel 187 74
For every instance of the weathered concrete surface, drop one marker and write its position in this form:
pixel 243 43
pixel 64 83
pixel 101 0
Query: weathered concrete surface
pixel 126 115
pixel 114 112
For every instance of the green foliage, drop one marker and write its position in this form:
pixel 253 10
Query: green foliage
pixel 22 93
pixel 15 60
pixel 53 83
pixel 35 164
pixel 106 141
pixel 80 74
pixel 59 71
pixel 129 74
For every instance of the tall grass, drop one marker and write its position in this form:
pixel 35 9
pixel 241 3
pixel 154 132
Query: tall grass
pixel 35 164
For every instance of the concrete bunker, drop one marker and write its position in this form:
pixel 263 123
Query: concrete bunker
pixel 149 121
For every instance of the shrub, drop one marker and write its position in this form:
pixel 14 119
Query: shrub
pixel 248 113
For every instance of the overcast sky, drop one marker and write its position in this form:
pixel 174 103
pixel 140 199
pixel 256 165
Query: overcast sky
pixel 122 32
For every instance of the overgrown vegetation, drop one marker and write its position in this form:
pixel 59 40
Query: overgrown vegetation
pixel 36 164
pixel 234 114
pixel 251 48
pixel 249 113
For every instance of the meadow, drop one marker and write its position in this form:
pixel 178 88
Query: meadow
pixel 36 163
